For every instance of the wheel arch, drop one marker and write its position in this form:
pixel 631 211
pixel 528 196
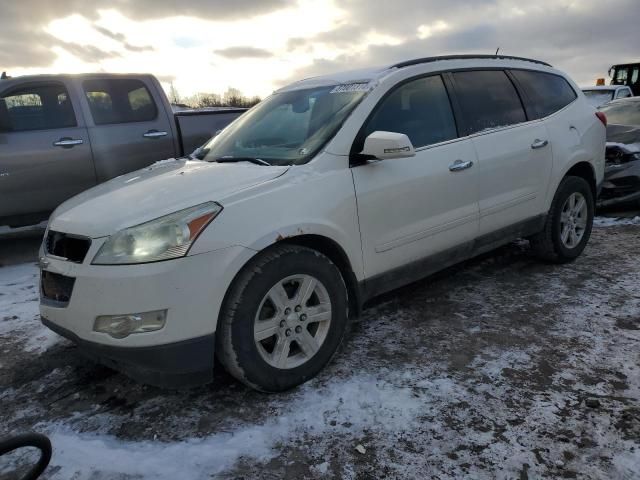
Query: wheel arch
pixel 585 170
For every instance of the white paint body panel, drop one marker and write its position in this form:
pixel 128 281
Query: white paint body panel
pixel 383 214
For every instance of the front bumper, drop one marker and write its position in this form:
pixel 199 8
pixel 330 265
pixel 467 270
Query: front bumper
pixel 190 289
pixel 180 364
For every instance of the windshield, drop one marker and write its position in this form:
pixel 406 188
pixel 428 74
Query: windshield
pixel 288 128
pixel 598 97
pixel 623 113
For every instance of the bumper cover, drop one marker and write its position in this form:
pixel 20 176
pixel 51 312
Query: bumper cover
pixel 179 364
pixel 621 184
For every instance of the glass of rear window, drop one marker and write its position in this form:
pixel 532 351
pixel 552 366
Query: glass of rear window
pixel 544 93
pixel 119 101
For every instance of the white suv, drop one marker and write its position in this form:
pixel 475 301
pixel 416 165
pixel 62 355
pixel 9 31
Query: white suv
pixel 329 192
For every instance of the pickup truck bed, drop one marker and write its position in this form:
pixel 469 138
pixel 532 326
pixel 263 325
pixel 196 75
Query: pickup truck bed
pixel 62 134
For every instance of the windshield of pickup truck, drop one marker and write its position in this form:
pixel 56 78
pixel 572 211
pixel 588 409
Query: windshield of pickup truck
pixel 287 128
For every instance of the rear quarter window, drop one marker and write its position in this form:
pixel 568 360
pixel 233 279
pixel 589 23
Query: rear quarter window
pixel 488 100
pixel 544 93
pixel 119 101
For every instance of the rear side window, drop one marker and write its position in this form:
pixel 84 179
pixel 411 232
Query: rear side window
pixel 119 101
pixel 39 107
pixel 420 109
pixel 488 100
pixel 545 93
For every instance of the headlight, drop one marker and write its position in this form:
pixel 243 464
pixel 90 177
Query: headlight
pixel 160 239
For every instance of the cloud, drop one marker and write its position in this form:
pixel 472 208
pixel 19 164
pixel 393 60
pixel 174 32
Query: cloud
pixel 122 39
pixel 583 39
pixel 24 43
pixel 243 52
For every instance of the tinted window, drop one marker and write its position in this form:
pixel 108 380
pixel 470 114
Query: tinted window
pixel 624 93
pixel 40 107
pixel 420 109
pixel 545 93
pixel 119 101
pixel 488 100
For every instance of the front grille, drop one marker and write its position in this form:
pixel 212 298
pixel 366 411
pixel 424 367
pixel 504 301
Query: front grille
pixel 56 287
pixel 72 247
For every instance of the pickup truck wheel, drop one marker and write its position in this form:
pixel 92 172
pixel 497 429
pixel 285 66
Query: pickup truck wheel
pixel 283 319
pixel 568 225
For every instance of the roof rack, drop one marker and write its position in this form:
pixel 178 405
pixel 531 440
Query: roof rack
pixel 418 61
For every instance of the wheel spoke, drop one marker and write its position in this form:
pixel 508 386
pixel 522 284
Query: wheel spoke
pixel 572 201
pixel 278 296
pixel 305 290
pixel 280 352
pixel 265 329
pixel 573 237
pixel 307 343
pixel 319 313
pixel 579 206
pixel 564 235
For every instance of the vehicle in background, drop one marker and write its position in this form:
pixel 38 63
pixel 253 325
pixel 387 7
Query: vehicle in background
pixel 329 192
pixel 597 96
pixel 622 167
pixel 626 74
pixel 62 134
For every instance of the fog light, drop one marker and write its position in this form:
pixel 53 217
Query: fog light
pixel 121 326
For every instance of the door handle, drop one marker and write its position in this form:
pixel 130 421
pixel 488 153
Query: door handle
pixel 67 142
pixel 537 143
pixel 459 165
pixel 154 134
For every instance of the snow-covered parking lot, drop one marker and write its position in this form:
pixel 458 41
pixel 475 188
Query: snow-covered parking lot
pixel 499 368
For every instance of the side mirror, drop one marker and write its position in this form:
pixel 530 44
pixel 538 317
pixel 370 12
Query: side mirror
pixel 388 145
pixel 5 120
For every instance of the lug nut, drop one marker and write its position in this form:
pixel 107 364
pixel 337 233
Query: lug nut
pixel 298 329
pixel 303 317
pixel 287 311
pixel 298 308
pixel 288 332
pixel 282 323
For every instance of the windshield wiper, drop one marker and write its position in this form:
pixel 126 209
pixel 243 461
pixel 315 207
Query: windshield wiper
pixel 257 161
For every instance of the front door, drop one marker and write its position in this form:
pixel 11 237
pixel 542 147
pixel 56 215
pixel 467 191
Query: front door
pixel 417 207
pixel 45 153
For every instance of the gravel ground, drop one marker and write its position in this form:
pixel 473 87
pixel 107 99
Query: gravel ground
pixel 501 367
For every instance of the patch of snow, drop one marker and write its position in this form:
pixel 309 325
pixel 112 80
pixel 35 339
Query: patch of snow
pixel 357 404
pixel 614 222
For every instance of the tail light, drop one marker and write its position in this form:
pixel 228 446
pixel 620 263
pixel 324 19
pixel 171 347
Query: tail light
pixel 602 117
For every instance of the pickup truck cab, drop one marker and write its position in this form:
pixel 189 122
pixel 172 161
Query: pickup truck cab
pixel 62 134
pixel 331 191
pixel 602 94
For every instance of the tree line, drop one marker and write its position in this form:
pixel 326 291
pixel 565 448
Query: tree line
pixel 231 98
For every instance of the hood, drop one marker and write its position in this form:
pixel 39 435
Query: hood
pixel 625 137
pixel 164 187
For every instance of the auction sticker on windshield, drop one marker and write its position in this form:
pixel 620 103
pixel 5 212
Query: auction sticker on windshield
pixel 351 87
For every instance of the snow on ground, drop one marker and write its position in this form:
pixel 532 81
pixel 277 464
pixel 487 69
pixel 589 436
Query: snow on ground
pixel 482 372
pixel 613 221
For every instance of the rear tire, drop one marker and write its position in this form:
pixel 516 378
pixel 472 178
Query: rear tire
pixel 283 318
pixel 568 225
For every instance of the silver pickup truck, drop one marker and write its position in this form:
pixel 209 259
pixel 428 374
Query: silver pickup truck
pixel 62 134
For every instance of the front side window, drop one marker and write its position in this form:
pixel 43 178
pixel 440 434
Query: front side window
pixel 420 109
pixel 40 107
pixel 287 128
pixel 621 76
pixel 119 101
pixel 488 100
pixel 624 93
pixel 622 113
pixel 545 93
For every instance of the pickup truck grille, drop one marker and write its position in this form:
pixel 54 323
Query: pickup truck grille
pixel 72 247
pixel 56 287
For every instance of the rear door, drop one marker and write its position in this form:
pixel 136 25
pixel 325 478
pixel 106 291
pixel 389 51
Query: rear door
pixel 514 155
pixel 128 125
pixel 412 208
pixel 45 153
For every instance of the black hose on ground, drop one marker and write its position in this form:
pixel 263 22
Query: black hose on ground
pixel 37 440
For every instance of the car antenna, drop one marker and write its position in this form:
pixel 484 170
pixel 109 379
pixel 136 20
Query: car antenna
pixel 497 50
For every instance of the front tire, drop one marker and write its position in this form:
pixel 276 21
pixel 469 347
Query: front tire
pixel 568 225
pixel 283 319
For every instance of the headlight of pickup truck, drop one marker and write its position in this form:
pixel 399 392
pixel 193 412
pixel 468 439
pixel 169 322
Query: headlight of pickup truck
pixel 160 239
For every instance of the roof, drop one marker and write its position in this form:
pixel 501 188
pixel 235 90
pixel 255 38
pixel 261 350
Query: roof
pixel 57 77
pixel 367 75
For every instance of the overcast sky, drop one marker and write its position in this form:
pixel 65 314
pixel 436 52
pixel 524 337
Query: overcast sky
pixel 259 45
